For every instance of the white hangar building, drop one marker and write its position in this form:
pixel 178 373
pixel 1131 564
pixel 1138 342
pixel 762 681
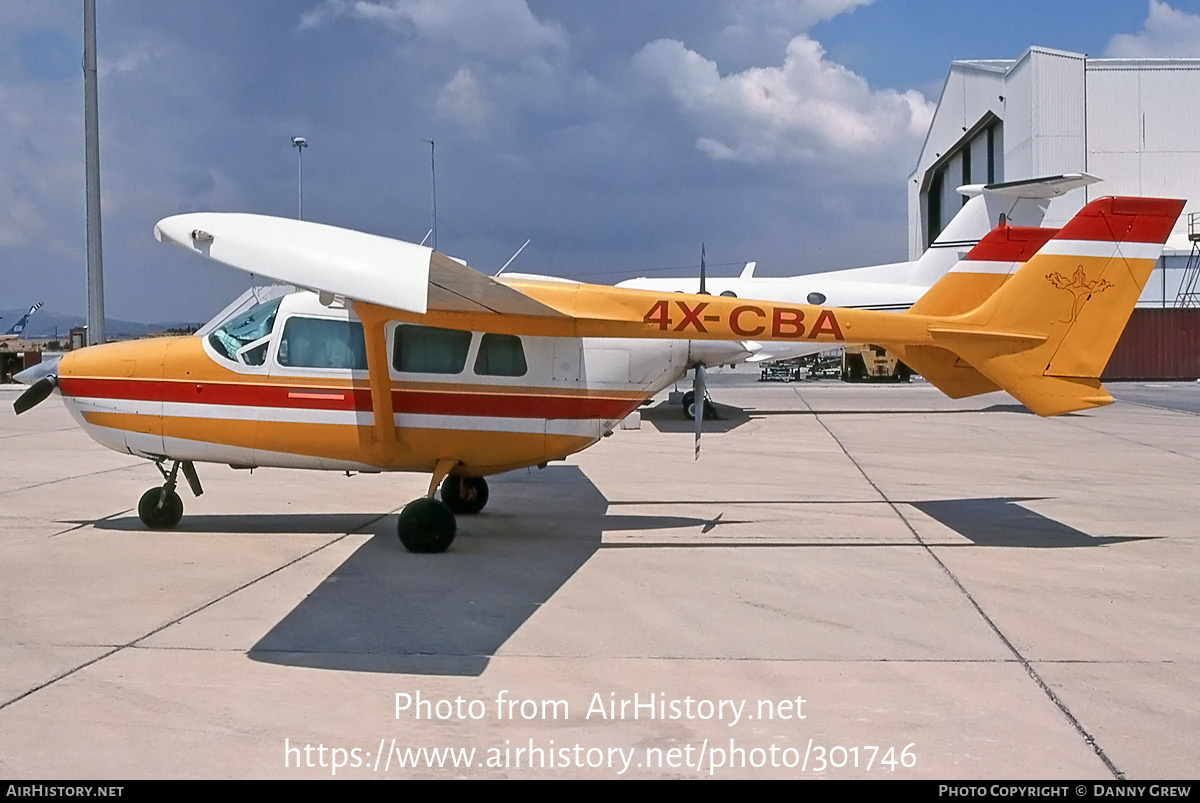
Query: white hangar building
pixel 1134 123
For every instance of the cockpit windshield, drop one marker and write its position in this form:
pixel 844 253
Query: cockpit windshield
pixel 239 338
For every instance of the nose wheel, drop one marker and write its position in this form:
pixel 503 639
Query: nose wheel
pixel 689 407
pixel 161 508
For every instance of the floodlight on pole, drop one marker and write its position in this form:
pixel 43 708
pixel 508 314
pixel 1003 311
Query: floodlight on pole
pixel 299 143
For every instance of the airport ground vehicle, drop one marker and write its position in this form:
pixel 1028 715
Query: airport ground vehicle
pixel 867 363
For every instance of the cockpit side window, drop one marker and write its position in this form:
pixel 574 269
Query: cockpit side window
pixel 500 355
pixel 238 339
pixel 322 343
pixel 430 350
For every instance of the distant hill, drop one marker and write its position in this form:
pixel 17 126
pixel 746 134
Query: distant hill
pixel 44 321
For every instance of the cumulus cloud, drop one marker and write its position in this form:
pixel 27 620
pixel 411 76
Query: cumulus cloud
pixel 501 30
pixel 130 60
pixel 789 14
pixel 40 175
pixel 807 108
pixel 1166 32
pixel 462 99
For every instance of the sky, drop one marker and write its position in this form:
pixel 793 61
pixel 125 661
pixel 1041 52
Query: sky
pixel 617 136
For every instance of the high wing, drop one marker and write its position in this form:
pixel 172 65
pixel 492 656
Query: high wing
pixel 341 262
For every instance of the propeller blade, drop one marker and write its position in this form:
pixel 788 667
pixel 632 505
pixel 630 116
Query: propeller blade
pixel 34 373
pixel 698 404
pixel 36 394
pixel 703 291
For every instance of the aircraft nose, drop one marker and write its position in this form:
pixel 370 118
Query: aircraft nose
pixel 102 367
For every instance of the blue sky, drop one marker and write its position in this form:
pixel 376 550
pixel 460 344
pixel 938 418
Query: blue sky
pixel 616 135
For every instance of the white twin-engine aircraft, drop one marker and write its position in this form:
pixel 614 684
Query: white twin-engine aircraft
pixel 398 358
pixel 895 286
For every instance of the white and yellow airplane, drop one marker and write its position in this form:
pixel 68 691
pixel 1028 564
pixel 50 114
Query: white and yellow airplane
pixel 399 358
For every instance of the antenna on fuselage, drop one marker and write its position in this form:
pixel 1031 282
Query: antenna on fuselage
pixel 433 191
pixel 514 256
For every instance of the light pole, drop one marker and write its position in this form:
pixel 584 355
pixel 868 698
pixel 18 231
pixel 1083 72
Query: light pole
pixel 299 143
pixel 91 125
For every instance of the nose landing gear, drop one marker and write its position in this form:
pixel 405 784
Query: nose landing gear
pixel 161 508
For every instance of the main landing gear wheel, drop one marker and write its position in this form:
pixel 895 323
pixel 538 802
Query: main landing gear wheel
pixel 689 408
pixel 160 509
pixel 465 494
pixel 426 525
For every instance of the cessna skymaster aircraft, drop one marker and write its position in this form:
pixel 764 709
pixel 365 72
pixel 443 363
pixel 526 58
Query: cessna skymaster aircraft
pixel 404 359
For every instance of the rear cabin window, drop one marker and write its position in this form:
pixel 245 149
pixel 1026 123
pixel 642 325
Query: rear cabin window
pixel 500 355
pixel 430 350
pixel 323 343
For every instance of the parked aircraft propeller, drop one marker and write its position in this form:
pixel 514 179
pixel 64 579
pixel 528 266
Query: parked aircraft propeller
pixel 42 381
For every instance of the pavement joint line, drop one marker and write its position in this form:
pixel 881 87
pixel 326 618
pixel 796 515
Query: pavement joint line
pixel 764 545
pixel 1157 407
pixel 1088 738
pixel 68 479
pixel 35 432
pixel 135 642
pixel 81 525
pixel 1153 446
pixel 676 658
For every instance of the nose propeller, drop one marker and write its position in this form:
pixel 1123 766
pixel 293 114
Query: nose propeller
pixel 42 381
pixel 36 394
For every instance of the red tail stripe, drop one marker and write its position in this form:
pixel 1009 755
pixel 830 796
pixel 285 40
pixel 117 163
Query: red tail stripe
pixel 1117 219
pixel 1011 244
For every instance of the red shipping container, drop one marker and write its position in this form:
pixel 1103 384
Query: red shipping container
pixel 1158 344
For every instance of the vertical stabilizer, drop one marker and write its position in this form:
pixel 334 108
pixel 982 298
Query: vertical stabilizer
pixel 1047 333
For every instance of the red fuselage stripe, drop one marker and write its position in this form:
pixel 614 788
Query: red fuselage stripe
pixel 431 402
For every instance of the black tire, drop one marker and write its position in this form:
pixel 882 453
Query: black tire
pixel 710 412
pixel 426 526
pixel 689 402
pixel 157 517
pixel 466 495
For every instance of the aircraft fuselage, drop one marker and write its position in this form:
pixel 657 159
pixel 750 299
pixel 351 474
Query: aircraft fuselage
pixel 295 392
